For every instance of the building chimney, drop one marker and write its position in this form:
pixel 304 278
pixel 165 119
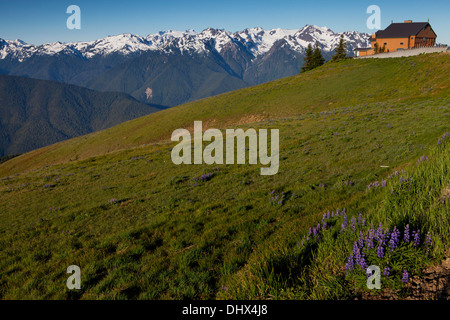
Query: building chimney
pixel 408 21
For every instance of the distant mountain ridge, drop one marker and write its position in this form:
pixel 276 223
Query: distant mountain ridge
pixel 256 40
pixel 36 113
pixel 212 61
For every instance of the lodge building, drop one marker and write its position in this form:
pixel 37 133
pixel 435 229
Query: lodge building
pixel 400 36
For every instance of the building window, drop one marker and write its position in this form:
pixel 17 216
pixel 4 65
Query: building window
pixel 385 43
pixel 401 43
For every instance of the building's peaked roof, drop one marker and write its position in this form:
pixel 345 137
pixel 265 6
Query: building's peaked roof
pixel 401 30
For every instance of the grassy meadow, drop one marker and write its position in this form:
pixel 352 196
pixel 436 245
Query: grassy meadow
pixel 362 142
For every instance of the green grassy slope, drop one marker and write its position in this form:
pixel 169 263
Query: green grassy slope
pixel 141 227
pixel 331 86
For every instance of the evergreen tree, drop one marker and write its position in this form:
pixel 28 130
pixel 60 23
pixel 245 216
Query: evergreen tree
pixel 308 59
pixel 317 58
pixel 340 51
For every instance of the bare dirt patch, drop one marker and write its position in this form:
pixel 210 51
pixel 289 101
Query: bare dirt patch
pixel 433 284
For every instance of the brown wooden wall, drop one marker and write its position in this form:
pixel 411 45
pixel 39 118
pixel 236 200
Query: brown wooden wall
pixel 426 32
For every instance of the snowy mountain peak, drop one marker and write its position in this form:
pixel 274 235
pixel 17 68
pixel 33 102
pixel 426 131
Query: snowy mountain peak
pixel 257 40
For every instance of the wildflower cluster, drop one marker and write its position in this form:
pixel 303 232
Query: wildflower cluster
pixel 371 185
pixel 202 178
pixel 353 222
pixel 422 159
pixel 277 199
pixel 383 183
pixel 348 183
pixel 404 185
pixel 444 136
pixel 315 231
pixel 381 246
pixel 393 174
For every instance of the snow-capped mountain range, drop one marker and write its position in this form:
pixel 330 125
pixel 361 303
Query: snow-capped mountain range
pixel 173 67
pixel 256 40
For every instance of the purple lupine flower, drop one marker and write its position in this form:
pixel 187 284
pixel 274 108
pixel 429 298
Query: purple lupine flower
pixel 360 218
pixel 406 234
pixel 428 239
pixel 355 249
pixel 324 226
pixel 386 272
pixel 394 238
pixel 369 239
pixel 428 242
pixel 344 225
pixel 326 216
pixel 422 159
pixel 383 183
pixel 369 242
pixel 361 240
pixel 114 200
pixel 353 224
pixel 362 263
pixel 416 238
pixel 447 134
pixel 380 251
pixel 380 235
pixel 309 231
pixel 405 277
pixel 386 235
pixel 359 256
pixel 369 273
pixel 350 265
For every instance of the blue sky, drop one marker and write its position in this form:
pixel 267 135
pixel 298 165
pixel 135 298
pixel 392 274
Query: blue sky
pixel 42 21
